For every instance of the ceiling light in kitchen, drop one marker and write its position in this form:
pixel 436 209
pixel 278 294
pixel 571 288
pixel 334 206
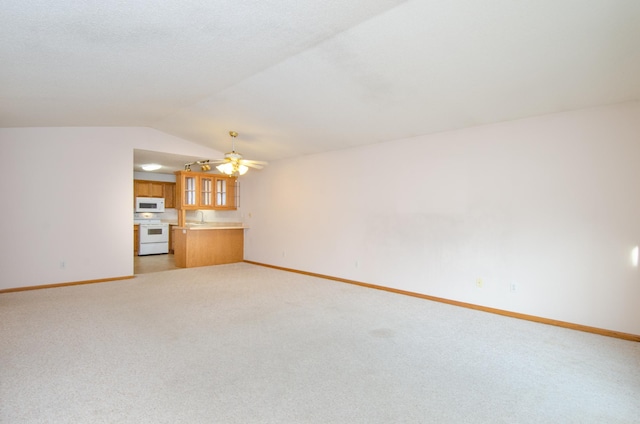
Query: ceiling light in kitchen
pixel 151 166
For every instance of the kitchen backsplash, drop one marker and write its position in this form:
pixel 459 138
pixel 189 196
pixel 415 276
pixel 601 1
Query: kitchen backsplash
pixel 171 215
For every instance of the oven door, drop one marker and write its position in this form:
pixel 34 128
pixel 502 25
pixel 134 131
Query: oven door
pixel 154 233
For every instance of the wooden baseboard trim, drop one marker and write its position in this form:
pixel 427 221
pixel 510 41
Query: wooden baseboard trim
pixel 73 283
pixel 572 326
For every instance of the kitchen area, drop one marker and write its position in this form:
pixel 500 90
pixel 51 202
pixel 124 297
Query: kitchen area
pixel 186 219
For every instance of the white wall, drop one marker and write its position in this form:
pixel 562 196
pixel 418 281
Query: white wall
pixel 67 199
pixel 551 204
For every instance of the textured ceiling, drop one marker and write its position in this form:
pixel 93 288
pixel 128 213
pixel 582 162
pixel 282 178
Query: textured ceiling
pixel 295 77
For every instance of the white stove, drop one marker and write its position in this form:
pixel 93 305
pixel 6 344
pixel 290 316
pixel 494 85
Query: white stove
pixel 154 237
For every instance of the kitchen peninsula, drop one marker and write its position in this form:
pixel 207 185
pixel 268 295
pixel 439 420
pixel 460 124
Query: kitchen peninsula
pixel 206 243
pixel 212 243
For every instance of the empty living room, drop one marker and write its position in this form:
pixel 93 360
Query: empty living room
pixel 356 211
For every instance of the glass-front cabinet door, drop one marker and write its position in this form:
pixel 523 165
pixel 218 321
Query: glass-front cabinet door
pixel 221 192
pixel 186 190
pixel 226 189
pixel 206 191
pixel 190 191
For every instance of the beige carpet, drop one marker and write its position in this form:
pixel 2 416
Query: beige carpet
pixel 246 344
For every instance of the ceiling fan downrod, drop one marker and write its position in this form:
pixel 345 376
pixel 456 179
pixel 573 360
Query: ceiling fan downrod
pixel 233 135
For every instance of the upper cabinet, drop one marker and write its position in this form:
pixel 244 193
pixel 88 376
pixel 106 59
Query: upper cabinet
pixel 206 191
pixel 186 190
pixel 169 195
pixel 200 190
pixel 143 188
pixel 167 190
pixel 226 189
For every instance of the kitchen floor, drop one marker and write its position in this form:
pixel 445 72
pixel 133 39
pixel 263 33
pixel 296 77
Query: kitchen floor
pixel 153 263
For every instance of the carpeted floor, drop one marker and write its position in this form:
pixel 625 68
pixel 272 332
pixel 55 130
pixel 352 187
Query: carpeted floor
pixel 246 344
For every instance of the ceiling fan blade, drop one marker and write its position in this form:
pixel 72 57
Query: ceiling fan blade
pixel 218 161
pixel 257 162
pixel 253 165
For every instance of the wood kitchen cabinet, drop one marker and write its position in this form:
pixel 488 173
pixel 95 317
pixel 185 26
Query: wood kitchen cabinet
pixel 143 188
pixel 206 186
pixel 226 190
pixel 166 190
pixel 200 190
pixel 136 239
pixel 169 195
pixel 172 236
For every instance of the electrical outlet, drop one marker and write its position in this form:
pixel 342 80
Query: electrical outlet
pixel 479 283
pixel 63 264
pixel 357 264
pixel 513 287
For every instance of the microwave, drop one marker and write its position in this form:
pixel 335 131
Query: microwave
pixel 149 204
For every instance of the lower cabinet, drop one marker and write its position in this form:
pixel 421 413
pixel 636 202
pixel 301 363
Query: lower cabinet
pixel 171 238
pixel 136 239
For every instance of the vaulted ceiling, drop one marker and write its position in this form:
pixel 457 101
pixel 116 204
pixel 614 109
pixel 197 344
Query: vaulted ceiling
pixel 295 77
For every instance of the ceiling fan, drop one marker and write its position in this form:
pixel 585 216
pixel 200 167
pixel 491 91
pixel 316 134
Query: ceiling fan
pixel 233 163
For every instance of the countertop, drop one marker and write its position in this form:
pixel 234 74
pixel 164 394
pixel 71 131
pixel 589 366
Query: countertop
pixel 212 226
pixel 207 225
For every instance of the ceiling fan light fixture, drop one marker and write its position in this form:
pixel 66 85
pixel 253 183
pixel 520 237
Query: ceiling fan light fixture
pixel 225 168
pixel 232 168
pixel 233 164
